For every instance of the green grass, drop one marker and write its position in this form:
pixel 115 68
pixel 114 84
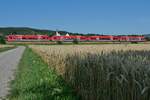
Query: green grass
pixel 6 48
pixel 35 81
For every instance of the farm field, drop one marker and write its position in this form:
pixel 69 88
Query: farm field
pixel 6 47
pixel 102 72
pixel 70 49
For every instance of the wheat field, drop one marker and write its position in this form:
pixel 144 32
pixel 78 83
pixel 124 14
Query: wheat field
pixel 3 46
pixel 102 72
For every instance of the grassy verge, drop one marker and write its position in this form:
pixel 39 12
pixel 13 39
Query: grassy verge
pixel 67 43
pixel 35 81
pixel 6 48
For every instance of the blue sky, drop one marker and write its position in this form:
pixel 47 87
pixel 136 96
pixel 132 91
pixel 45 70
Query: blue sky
pixel 85 16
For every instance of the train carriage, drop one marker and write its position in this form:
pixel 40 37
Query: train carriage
pixel 136 38
pixel 11 38
pixel 106 38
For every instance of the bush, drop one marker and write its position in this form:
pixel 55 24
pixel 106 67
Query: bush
pixel 147 38
pixel 2 40
pixel 134 42
pixel 75 41
pixel 59 42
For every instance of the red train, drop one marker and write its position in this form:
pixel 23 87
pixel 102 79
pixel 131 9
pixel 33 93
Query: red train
pixel 67 38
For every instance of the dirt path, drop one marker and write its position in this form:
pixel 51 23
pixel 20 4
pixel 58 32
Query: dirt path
pixel 8 63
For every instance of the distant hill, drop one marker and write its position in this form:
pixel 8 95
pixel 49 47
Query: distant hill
pixel 27 30
pixel 24 30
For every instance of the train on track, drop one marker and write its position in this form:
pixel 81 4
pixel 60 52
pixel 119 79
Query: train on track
pixel 68 38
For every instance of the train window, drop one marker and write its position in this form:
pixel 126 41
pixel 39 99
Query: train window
pixel 68 38
pixel 104 39
pixel 133 38
pixel 93 38
pixel 142 38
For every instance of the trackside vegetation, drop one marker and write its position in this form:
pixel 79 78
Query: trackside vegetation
pixel 2 40
pixel 6 48
pixel 35 81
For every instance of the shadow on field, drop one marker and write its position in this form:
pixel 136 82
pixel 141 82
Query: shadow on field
pixel 122 75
